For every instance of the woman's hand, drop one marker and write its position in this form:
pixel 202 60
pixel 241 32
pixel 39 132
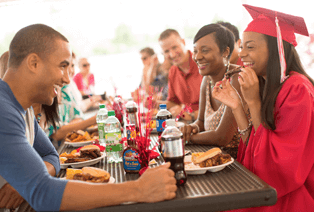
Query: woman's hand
pixel 249 85
pixel 225 93
pixel 187 130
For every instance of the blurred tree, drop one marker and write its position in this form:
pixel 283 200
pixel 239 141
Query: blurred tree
pixel 124 36
pixel 190 31
pixel 99 50
pixel 217 18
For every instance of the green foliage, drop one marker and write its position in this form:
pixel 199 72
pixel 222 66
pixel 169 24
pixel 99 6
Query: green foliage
pixel 190 31
pixel 124 35
pixel 98 50
pixel 217 18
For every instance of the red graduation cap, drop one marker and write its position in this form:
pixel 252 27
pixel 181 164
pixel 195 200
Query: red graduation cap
pixel 264 22
pixel 276 24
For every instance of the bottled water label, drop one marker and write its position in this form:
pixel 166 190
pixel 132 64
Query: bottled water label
pixel 172 148
pixel 113 142
pixel 101 130
pixel 114 147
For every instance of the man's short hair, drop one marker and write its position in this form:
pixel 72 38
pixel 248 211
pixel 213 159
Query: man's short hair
pixel 37 38
pixel 148 50
pixel 167 33
pixel 232 28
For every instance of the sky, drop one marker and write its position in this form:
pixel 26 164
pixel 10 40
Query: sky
pixel 87 23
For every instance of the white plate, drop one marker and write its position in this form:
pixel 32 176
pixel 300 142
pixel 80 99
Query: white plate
pixel 84 163
pixel 111 180
pixel 79 144
pixel 195 169
pixel 186 152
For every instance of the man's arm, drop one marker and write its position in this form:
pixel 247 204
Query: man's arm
pixel 156 184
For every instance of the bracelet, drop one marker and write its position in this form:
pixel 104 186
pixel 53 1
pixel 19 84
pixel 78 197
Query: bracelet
pixel 196 125
pixel 242 132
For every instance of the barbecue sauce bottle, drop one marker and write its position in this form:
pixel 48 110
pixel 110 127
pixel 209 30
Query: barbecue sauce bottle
pixel 130 154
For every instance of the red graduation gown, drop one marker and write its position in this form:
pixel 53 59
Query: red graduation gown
pixel 284 158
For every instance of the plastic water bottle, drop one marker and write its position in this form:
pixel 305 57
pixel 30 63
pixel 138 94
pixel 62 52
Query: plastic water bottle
pixel 173 150
pixel 101 117
pixel 114 148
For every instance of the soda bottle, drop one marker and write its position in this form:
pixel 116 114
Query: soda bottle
pixel 131 114
pixel 130 154
pixel 101 117
pixel 162 115
pixel 112 129
pixel 173 150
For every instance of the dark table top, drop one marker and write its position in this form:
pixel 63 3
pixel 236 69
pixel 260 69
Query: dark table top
pixel 233 187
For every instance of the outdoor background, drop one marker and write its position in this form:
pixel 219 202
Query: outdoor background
pixel 111 33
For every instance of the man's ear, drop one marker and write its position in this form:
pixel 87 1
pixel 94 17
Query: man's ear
pixel 32 62
pixel 226 52
pixel 183 41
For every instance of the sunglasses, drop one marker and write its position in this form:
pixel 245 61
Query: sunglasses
pixel 86 65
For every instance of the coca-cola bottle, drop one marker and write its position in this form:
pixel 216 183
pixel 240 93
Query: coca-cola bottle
pixel 173 150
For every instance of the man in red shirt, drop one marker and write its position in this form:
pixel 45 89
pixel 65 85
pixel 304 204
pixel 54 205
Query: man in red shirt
pixel 184 79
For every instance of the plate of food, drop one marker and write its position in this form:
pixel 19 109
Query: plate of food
pixel 213 160
pixel 89 174
pixel 92 128
pixel 88 155
pixel 79 138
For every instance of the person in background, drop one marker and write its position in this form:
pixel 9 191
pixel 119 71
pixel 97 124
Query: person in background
pixel 72 106
pixel 154 79
pixel 4 63
pixel 215 124
pixel 234 59
pixel 38 64
pixel 278 144
pixel 184 80
pixel 84 80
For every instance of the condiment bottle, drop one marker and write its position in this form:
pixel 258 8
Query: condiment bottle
pixel 131 154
